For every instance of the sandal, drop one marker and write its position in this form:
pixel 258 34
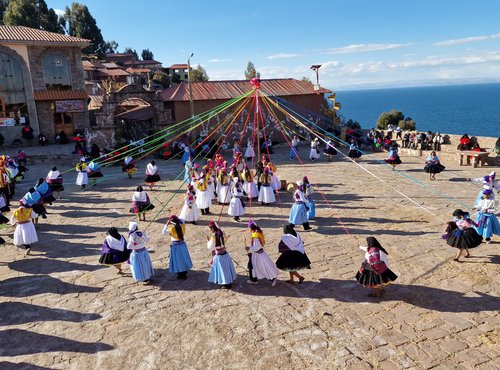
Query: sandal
pixel 301 280
pixel 289 281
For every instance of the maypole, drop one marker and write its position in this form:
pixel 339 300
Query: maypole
pixel 256 86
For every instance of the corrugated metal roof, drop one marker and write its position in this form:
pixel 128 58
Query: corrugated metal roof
pixel 95 102
pixel 61 95
pixel 114 72
pixel 223 90
pixel 140 113
pixel 27 35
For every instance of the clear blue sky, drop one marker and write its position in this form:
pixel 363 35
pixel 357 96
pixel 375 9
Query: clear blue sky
pixel 360 43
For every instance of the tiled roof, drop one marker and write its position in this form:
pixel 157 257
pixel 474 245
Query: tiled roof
pixel 114 72
pixel 61 95
pixel 138 70
pixel 140 62
pixel 30 36
pixel 178 66
pixel 223 90
pixel 87 65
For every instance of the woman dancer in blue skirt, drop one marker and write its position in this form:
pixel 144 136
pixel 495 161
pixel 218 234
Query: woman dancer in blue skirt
pixel 222 270
pixel 140 262
pixel 180 260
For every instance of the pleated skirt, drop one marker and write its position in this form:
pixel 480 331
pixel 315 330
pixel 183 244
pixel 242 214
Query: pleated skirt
pixel 25 234
pixel 293 261
pixel 298 214
pixel 180 260
pixel 140 265
pixel 222 271
pixel 189 214
pixel 82 178
pixel 488 225
pixel 369 278
pixel 250 189
pixel 235 208
pixel 266 194
pixel 263 267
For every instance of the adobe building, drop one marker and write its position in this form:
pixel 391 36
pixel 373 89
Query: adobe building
pixel 41 83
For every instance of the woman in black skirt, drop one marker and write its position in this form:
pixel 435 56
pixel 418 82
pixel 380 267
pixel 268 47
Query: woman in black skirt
pixel 461 234
pixel 374 272
pixel 114 250
pixel 433 165
pixel 293 256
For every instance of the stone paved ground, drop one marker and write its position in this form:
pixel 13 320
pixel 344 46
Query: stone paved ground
pixel 61 310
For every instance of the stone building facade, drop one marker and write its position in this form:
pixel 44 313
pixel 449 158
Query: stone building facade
pixel 43 84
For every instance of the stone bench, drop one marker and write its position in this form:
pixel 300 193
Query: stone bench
pixel 479 158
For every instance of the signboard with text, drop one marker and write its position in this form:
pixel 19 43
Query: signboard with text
pixel 66 106
pixel 7 121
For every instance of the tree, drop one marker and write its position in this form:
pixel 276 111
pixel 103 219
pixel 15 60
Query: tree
pixel 389 118
pixel 198 74
pixel 306 79
pixel 162 78
pixel 110 47
pixel 251 72
pixel 352 124
pixel 407 124
pixel 80 23
pixel 21 13
pixel 30 13
pixel 130 51
pixel 147 55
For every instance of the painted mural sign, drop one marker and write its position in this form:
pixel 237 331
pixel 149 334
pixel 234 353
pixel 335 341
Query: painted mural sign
pixel 66 106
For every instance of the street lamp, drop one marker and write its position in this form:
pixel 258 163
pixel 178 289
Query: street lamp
pixel 191 105
pixel 316 67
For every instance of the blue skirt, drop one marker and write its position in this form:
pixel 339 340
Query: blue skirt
pixel 293 153
pixel 222 271
pixel 185 157
pixel 312 208
pixel 488 225
pixel 141 266
pixel 298 214
pixel 180 261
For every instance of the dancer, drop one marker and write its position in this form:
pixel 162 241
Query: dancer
pixel 295 147
pixel 25 233
pixel 141 203
pixel 489 182
pixel 314 152
pixel 249 152
pixel 94 171
pixel 298 213
pixel 152 176
pixel 374 272
pixel 275 181
pixel 223 190
pixel 203 197
pixel 114 251
pixel 236 207
pixel 55 181
pixel 4 208
pixel 140 262
pixel 222 270
pixel 129 166
pixel 293 256
pixel 187 170
pixel 266 194
pixel 188 153
pixel 329 150
pixel 81 168
pixel 461 234
pixel 260 265
pixel 433 165
pixel 249 187
pixel 33 199
pixel 45 191
pixel 308 190
pixel 393 159
pixel 180 260
pixel 190 212
pixel 487 222
pixel 354 153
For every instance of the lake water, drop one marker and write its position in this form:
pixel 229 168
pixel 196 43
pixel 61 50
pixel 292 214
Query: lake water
pixel 455 109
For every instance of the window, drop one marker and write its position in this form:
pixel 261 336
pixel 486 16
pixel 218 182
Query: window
pixel 13 109
pixel 56 72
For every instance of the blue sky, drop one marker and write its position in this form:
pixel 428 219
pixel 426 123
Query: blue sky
pixel 359 43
